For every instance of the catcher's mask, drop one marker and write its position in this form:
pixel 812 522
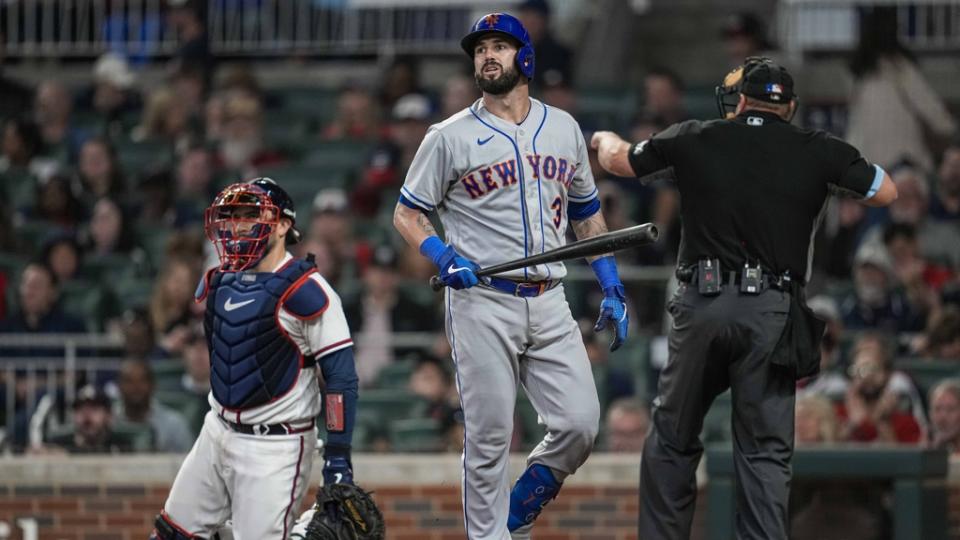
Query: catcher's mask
pixel 243 217
pixel 773 84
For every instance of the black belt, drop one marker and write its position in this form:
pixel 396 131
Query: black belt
pixel 688 274
pixel 285 428
pixel 524 289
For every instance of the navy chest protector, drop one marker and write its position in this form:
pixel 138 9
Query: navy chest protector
pixel 252 359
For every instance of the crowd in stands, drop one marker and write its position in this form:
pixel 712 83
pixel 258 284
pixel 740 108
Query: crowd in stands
pixel 104 187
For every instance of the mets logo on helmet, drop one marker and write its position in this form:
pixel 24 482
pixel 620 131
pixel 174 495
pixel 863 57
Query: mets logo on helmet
pixel 492 19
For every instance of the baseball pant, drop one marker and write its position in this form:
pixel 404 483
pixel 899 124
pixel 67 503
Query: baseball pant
pixel 717 343
pixel 498 341
pixel 258 481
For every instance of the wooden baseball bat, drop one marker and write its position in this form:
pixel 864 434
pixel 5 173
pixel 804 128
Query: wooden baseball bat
pixel 638 235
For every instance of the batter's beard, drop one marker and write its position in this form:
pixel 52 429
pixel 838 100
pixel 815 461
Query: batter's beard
pixel 501 85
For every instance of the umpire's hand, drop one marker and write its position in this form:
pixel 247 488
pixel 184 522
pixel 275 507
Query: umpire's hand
pixel 613 308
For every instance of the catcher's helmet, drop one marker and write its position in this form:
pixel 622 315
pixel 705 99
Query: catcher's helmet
pixel 508 25
pixel 242 218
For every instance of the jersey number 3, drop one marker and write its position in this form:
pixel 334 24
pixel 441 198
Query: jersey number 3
pixel 557 206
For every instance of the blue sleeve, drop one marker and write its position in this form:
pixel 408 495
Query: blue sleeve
pixel 878 175
pixel 409 203
pixel 340 373
pixel 577 211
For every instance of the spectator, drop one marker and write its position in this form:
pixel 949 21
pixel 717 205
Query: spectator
pixel 22 148
pixel 942 339
pixel 617 383
pixel 15 96
pixel 881 405
pixel 459 92
pixel 170 304
pixel 165 118
pixel 110 232
pixel 355 117
pixel 400 79
pixel 945 416
pixel 242 148
pixel 154 200
pixel 830 383
pixel 663 96
pixel 193 52
pixel 93 426
pixel 939 241
pixel 382 309
pixel 552 57
pixel 330 223
pixel 196 185
pixel 38 309
pixel 100 173
pixel 844 226
pixel 138 406
pixel 816 421
pixel 52 108
pixel 627 424
pixel 113 96
pixel 190 86
pixel 644 126
pixel 892 105
pixel 195 383
pixel 452 431
pixel 433 382
pixel 946 204
pixel 921 278
pixel 389 163
pixel 874 302
pixel 62 254
pixel 139 342
pixel 744 35
pixel 55 202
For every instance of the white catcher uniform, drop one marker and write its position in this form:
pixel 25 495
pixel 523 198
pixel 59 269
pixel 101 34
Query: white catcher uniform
pixel 259 479
pixel 502 192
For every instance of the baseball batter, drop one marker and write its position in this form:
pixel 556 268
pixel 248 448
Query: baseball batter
pixel 270 321
pixel 506 177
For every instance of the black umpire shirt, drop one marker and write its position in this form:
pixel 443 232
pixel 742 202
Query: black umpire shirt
pixel 753 188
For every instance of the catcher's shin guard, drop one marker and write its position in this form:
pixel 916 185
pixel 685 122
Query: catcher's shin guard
pixel 533 490
pixel 165 529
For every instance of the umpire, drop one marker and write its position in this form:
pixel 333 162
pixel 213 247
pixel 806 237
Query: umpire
pixel 753 189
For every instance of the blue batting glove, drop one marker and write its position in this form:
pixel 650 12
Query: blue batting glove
pixel 614 308
pixel 337 470
pixel 456 271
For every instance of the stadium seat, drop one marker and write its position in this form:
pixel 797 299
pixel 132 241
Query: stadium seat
pixel 168 374
pixel 415 435
pixel 387 405
pixel 132 292
pixel 717 426
pixel 529 421
pixel 339 155
pixel 136 156
pixel 88 301
pixel 395 375
pixel 927 372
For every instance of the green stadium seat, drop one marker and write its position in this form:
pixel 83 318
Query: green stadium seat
pixel 168 374
pixel 382 406
pixel 136 156
pixel 927 372
pixel 107 268
pixel 88 301
pixel 132 292
pixel 154 242
pixel 34 233
pixel 415 435
pixel 344 155
pixel 717 427
pixel 607 106
pixel 530 426
pixel 11 264
pixel 395 375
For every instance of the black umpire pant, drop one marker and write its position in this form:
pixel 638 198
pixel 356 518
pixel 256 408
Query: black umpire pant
pixel 721 342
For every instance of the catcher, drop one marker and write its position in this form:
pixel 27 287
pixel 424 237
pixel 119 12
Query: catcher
pixel 272 323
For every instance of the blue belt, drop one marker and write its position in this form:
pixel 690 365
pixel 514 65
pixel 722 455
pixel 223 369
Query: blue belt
pixel 526 290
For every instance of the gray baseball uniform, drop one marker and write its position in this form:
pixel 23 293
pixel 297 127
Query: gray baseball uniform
pixel 502 191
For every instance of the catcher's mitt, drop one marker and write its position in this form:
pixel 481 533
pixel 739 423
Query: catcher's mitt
pixel 345 512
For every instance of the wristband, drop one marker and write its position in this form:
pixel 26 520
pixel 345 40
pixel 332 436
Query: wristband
pixel 606 270
pixel 336 450
pixel 432 247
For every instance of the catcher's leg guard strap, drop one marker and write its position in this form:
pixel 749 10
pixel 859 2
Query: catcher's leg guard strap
pixel 534 489
pixel 165 529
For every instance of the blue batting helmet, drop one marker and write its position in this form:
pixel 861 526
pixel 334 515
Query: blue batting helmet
pixel 508 25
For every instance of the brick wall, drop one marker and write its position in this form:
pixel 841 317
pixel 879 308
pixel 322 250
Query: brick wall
pixel 114 498
pixel 104 512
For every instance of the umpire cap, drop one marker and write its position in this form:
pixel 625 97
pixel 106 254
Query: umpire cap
pixel 768 81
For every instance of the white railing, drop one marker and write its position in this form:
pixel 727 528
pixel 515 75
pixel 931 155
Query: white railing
pixel 86 28
pixel 812 25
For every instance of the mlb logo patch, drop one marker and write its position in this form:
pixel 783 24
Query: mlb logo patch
pixel 774 88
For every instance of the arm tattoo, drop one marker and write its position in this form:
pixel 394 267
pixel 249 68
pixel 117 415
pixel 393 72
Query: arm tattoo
pixel 590 227
pixel 424 223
